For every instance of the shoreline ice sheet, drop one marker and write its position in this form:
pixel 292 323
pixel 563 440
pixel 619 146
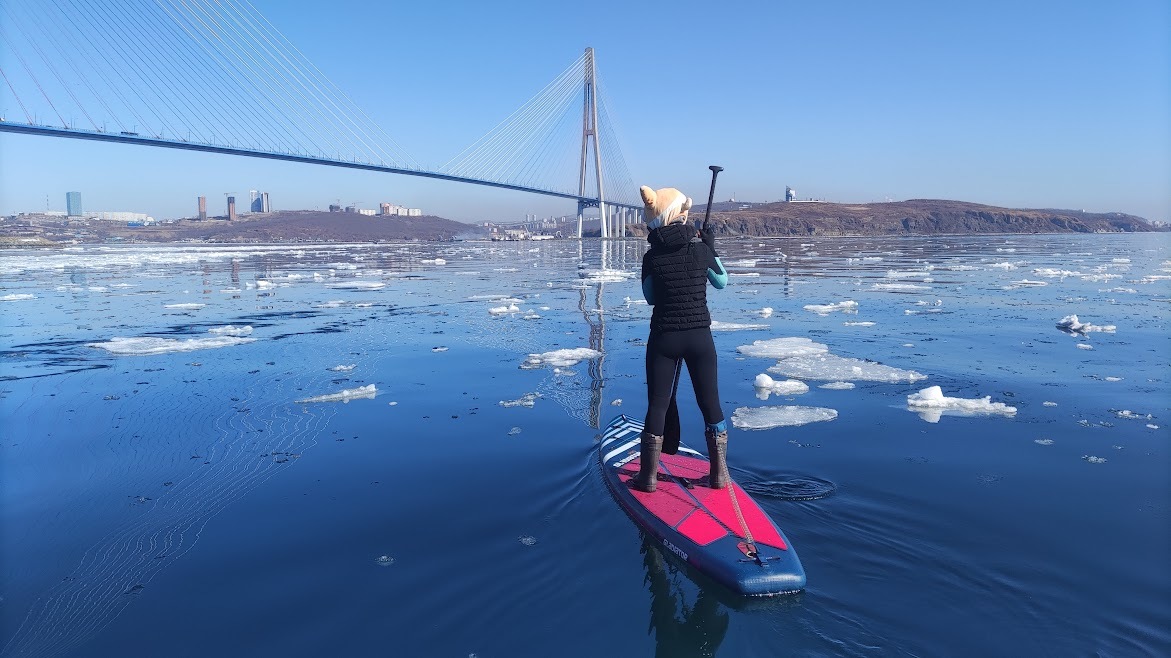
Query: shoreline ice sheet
pixel 147 345
pixel 931 404
pixel 764 418
pixel 366 392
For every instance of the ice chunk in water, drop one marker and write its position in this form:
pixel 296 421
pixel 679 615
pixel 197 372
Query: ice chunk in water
pixel 765 312
pixel 366 392
pixel 501 310
pixel 766 386
pixel 344 368
pixel 527 400
pixel 185 307
pixel 736 326
pixel 837 368
pixel 930 403
pixel 17 297
pixel 231 330
pixel 848 306
pixel 1071 324
pixel 763 418
pixel 838 386
pixel 142 346
pixel 560 358
pixel 356 285
pixel 782 348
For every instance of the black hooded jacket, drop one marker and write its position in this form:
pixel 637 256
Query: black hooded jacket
pixel 679 266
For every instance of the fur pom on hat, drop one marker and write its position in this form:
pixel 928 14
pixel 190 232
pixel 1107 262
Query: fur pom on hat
pixel 665 206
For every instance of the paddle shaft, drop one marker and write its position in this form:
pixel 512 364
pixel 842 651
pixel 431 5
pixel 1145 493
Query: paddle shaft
pixel 707 212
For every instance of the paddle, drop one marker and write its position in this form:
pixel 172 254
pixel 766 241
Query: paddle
pixel 672 429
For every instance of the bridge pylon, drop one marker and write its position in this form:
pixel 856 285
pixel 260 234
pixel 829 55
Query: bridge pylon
pixel 589 128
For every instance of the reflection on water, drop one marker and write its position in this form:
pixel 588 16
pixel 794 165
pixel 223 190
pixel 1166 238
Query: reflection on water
pixel 681 630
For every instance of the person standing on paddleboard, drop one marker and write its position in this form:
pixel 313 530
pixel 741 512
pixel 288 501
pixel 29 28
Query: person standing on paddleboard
pixel 675 273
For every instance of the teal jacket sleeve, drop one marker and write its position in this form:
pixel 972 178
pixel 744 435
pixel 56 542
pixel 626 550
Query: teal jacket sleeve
pixel 716 274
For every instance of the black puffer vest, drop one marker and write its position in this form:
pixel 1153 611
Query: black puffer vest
pixel 678 265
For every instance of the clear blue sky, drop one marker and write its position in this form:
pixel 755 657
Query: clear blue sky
pixel 1021 104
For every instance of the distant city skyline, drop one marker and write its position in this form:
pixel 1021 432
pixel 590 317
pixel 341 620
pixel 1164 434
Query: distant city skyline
pixel 1046 105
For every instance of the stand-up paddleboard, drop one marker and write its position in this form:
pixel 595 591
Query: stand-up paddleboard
pixel 722 533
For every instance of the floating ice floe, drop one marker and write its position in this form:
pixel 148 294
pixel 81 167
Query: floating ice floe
pixel 366 392
pixel 356 285
pixel 736 326
pixel 838 386
pixel 1047 403
pixel 1025 283
pixel 616 403
pixel 782 348
pixel 606 276
pixel 433 261
pixel 526 400
pixel 865 323
pixel 1128 414
pixel 749 274
pixel 848 306
pixel 766 312
pixel 333 303
pixel 144 346
pixel 1006 266
pixel 1054 273
pixel 930 403
pixel 1071 324
pixel 763 418
pixel 504 310
pixel 900 287
pixel 1043 442
pixel 766 386
pixel 343 368
pixel 1094 460
pixel 830 367
pixel 17 297
pixel 1084 346
pixel 184 307
pixel 1113 379
pixel 560 358
pixel 231 330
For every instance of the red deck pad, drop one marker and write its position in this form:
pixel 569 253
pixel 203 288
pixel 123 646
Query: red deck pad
pixel 702 529
pixel 671 503
pixel 720 503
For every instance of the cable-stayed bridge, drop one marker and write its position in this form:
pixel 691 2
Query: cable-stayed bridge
pixel 216 76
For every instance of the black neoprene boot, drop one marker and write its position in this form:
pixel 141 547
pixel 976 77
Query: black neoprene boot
pixel 717 453
pixel 649 450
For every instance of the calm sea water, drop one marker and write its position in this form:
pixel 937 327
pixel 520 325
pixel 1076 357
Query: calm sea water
pixel 197 503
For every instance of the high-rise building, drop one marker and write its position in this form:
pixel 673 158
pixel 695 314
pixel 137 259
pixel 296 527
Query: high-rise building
pixel 254 201
pixel 73 203
pixel 264 207
pixel 384 209
pixel 231 209
pixel 203 209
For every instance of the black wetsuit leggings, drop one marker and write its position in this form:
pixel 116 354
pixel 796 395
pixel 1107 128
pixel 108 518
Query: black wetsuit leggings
pixel 663 350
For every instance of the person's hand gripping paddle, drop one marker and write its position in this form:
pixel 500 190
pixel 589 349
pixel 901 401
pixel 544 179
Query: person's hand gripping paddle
pixel 672 428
